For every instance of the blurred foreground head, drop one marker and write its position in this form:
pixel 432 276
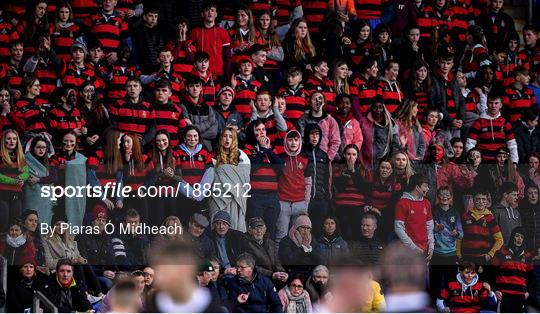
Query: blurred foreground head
pixel 125 297
pixel 349 287
pixel 403 269
pixel 175 267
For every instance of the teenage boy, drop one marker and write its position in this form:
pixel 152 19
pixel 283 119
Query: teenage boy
pixel 497 25
pixel 265 165
pixel 531 50
pixel 120 72
pixel 527 134
pixel 226 115
pixel 294 185
pixel 78 71
pixel 518 96
pixel 294 94
pixel 506 215
pixel 491 132
pixel 318 161
pixel 466 293
pixel 169 115
pixel 211 86
pixel 258 55
pixel 199 114
pixel 11 73
pixel 413 221
pixel 319 81
pixel 133 114
pixel 482 236
pixel 246 87
pixel 447 95
pixel 331 140
pixel 273 120
pixel 514 265
pixel 214 40
pixel 166 72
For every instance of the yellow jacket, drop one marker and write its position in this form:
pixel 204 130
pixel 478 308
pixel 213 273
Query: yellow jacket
pixel 375 302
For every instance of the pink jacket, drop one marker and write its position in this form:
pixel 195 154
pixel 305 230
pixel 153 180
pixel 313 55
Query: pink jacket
pixel 331 139
pixel 352 134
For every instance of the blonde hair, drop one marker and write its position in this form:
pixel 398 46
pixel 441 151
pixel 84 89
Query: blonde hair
pixel 19 154
pixel 409 171
pixel 179 223
pixel 232 157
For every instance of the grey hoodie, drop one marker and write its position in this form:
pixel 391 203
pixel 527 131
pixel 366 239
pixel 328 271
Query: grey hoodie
pixel 508 218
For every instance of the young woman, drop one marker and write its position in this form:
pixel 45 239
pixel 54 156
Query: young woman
pixel 297 45
pixel 194 161
pixel 419 86
pixel 379 133
pixel 71 167
pixel 388 86
pixel 28 108
pixel 382 51
pixel 13 174
pixel 364 87
pixel 431 129
pixel 533 173
pixel 164 173
pixel 16 247
pixel 362 47
pixel 458 146
pixel 132 172
pixel 403 169
pixel 232 167
pixel 30 222
pixel 382 191
pixel 269 39
pixel 294 296
pixel 350 190
pixel 34 25
pixel 64 32
pixel 96 117
pixel 340 77
pixel 8 118
pixel 503 171
pixel 331 245
pixel 243 34
pixel 41 175
pixel 410 131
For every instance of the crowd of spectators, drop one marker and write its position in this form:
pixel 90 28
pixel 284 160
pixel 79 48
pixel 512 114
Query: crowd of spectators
pixel 299 138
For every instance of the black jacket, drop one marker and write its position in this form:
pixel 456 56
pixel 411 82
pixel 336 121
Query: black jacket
pixel 438 99
pixel 369 250
pixel 528 142
pixel 147 43
pixel 531 223
pixel 76 297
pixel 295 259
pixel 204 247
pixel 98 250
pixel 20 292
pixel 320 164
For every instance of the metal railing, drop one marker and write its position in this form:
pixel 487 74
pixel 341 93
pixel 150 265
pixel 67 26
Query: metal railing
pixel 41 298
pixel 3 273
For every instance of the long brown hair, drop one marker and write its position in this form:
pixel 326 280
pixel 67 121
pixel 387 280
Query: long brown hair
pixel 251 26
pixel 232 157
pixel 61 5
pixel 405 115
pixel 270 34
pixel 113 157
pixel 137 155
pixel 156 153
pixel 19 154
pixel 336 80
pixel 300 45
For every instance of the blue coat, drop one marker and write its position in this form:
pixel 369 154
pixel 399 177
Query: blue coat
pixel 262 295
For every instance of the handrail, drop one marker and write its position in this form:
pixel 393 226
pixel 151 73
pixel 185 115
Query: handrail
pixel 3 273
pixel 40 297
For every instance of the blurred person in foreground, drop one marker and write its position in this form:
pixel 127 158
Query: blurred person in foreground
pixel 175 268
pixel 405 273
pixel 125 297
pixel 350 288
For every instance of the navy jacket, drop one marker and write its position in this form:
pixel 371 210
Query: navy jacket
pixel 262 295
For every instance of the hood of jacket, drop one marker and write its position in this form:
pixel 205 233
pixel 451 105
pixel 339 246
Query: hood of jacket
pixel 191 153
pixel 310 127
pixel 286 145
pixel 409 196
pixel 465 286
